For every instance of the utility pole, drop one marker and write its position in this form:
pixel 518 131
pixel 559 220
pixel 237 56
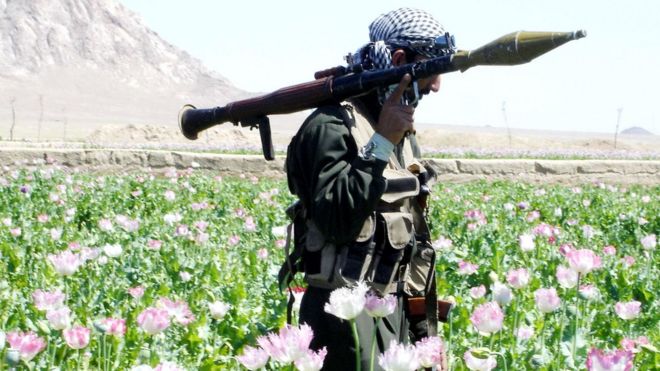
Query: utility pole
pixel 506 122
pixel 13 119
pixel 618 121
pixel 64 122
pixel 41 117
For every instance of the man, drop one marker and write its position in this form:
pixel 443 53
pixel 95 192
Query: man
pixel 360 217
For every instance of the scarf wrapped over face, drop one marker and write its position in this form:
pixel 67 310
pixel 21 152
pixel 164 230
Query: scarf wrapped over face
pixel 407 28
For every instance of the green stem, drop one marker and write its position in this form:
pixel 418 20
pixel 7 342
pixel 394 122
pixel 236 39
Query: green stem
pixel 503 361
pixel 451 330
pixel 577 316
pixel 373 345
pixel 358 363
pixel 542 337
pixel 561 334
pixel 514 337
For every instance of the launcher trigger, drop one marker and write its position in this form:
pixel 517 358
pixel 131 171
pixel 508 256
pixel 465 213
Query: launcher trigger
pixel 411 95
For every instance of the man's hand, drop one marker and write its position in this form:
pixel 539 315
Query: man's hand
pixel 396 119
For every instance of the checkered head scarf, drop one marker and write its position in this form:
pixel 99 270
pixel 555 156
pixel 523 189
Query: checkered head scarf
pixel 407 28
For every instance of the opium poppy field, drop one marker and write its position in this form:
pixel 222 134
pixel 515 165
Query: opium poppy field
pixel 177 271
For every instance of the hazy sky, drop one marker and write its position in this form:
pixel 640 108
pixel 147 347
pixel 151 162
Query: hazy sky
pixel 266 45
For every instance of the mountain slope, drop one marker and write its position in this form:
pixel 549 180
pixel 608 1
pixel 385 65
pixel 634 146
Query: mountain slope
pixel 80 63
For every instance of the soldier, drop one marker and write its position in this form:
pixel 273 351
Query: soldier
pixel 362 195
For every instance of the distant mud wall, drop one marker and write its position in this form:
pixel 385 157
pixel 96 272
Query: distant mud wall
pixel 448 170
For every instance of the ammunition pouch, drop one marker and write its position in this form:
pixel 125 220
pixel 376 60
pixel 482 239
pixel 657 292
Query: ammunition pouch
pixel 422 266
pixel 375 257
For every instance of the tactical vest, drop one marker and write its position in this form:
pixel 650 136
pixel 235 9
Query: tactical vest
pixel 392 253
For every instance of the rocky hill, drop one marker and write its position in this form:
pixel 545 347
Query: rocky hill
pixel 70 65
pixel 636 130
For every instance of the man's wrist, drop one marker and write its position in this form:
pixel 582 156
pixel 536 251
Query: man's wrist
pixel 378 147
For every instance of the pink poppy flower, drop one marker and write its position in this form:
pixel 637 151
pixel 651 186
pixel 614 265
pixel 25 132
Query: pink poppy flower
pixel 169 195
pixel 583 261
pixel 399 357
pixel 185 276
pixel 249 224
pixel 649 242
pixel 154 244
pixel 105 225
pixel 642 340
pixel 262 254
pixel 442 243
pixel 178 310
pixel 65 263
pixel 525 332
pixel 55 234
pixel 311 361
pixel 566 277
pixel 518 278
pixel 182 230
pixel 289 344
pixel 566 248
pixel 196 206
pixel 547 300
pixel 136 292
pixel 379 307
pixel 28 344
pixel 628 310
pixel 114 326
pixel 588 231
pixel 487 318
pixel 501 293
pixel 526 242
pixel 153 320
pixel 476 216
pixel 46 300
pixel 628 344
pixel 533 215
pixel 588 292
pixel 253 358
pixel 347 302
pixel 478 292
pixel 619 360
pixel 77 337
pixel 479 363
pixel 544 229
pixel 609 250
pixel 466 268
pixel 172 218
pixel 219 309
pixel 628 261
pixel 234 240
pixel 59 318
pixel 429 351
pixel 168 366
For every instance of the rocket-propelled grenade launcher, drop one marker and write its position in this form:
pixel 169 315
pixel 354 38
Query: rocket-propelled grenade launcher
pixel 338 84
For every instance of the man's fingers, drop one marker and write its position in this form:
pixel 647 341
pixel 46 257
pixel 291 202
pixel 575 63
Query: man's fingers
pixel 400 89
